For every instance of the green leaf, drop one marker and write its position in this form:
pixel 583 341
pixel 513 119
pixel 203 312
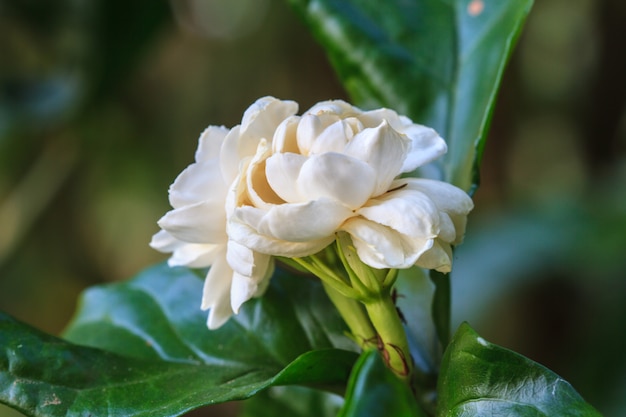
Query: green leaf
pixel 293 401
pixel 479 378
pixel 373 391
pixel 171 362
pixel 438 61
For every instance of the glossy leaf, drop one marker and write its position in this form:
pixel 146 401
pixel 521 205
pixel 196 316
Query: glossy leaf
pixel 479 378
pixel 438 61
pixel 374 391
pixel 292 401
pixel 172 363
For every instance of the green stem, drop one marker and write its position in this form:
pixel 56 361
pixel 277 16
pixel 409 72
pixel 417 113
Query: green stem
pixel 393 343
pixel 354 315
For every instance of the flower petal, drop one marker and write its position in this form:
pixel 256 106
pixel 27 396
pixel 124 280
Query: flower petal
pixel 282 171
pixel 302 222
pixel 448 199
pixel 244 287
pixel 382 247
pixel 409 212
pixel 262 118
pixel 384 150
pixel 196 223
pixel 285 138
pixel 216 292
pixel 446 196
pixel 201 181
pixel 338 177
pixel 242 229
pixel 210 143
pixel 258 189
pixel 332 139
pixel 426 146
pixel 439 257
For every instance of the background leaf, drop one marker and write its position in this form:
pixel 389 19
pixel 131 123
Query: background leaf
pixel 439 62
pixel 479 378
pixel 375 391
pixel 288 337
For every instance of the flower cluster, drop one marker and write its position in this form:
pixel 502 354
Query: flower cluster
pixel 284 185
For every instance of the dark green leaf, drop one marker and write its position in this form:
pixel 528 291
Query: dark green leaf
pixel 375 391
pixel 438 61
pixel 482 379
pixel 292 401
pixel 171 362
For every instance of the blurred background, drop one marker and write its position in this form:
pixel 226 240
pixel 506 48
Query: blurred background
pixel 102 102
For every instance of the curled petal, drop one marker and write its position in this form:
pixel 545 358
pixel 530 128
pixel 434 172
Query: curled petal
pixel 335 107
pixel 332 139
pixel 425 146
pixel 384 150
pixel 439 257
pixel 382 247
pixel 282 171
pixel 285 138
pixel 309 128
pixel 409 212
pixel 299 222
pixel 196 223
pixel 216 292
pixel 448 198
pixel 258 189
pixel 241 229
pixel 338 177
pixel 262 118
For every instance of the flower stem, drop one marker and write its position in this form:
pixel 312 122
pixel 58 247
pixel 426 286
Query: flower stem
pixel 355 316
pixel 392 342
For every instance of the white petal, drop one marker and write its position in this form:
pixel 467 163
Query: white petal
pixel 244 287
pixel 282 171
pixel 241 230
pixel 201 181
pixel 196 223
pixel 335 107
pixel 409 212
pixel 233 152
pixel 262 118
pixel 309 128
pixel 258 189
pixel 164 242
pixel 384 150
pixel 426 146
pixel 193 255
pixel 337 177
pixel 382 247
pixel 302 222
pixel 285 138
pixel 216 293
pixel 439 257
pixel 448 199
pixel 446 196
pixel 332 139
pixel 210 143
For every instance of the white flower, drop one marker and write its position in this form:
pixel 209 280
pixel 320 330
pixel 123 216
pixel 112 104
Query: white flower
pixel 203 198
pixel 336 168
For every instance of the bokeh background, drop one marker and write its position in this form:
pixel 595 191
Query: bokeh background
pixel 101 104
